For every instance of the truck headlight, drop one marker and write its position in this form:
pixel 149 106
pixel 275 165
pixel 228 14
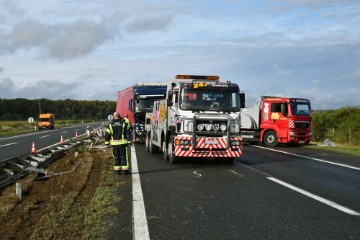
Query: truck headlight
pixel 200 127
pixel 208 127
pixel 236 143
pixel 292 134
pixel 223 127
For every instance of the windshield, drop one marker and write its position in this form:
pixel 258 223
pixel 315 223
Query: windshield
pixel 203 99
pixel 300 109
pixel 144 105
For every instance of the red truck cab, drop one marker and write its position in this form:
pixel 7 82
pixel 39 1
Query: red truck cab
pixel 276 120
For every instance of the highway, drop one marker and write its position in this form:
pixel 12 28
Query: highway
pixel 20 145
pixel 285 193
pixel 280 193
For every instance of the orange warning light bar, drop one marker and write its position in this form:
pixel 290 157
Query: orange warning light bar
pixel 197 77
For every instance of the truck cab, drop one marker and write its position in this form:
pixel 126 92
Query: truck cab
pixel 46 121
pixel 202 119
pixel 275 120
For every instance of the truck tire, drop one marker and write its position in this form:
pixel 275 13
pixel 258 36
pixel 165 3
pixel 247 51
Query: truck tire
pixel 147 142
pixel 152 148
pixel 171 151
pixel 270 139
pixel 165 151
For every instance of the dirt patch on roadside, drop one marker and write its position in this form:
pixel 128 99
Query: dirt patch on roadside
pixel 58 206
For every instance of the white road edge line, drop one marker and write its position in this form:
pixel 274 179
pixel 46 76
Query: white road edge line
pixel 318 198
pixel 311 158
pixel 140 226
pixel 8 144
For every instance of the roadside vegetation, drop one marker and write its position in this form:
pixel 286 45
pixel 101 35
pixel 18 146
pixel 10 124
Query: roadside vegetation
pixel 21 109
pixel 66 206
pixel 341 126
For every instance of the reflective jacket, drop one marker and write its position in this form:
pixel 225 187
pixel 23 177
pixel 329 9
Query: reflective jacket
pixel 128 123
pixel 115 134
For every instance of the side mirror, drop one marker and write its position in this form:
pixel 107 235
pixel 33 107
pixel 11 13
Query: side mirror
pixel 242 99
pixel 169 98
pixel 131 105
pixel 284 109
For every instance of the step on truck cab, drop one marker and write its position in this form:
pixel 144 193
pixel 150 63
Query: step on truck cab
pixel 200 117
pixel 274 120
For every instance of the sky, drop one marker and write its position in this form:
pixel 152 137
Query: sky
pixel 90 50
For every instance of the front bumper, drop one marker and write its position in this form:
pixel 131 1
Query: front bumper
pixel 207 147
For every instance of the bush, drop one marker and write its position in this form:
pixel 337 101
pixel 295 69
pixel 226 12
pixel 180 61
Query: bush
pixel 341 125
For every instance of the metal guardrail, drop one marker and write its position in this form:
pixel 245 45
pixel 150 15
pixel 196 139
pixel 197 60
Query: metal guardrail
pixel 18 167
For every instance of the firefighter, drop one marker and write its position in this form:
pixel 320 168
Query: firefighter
pixel 115 136
pixel 128 132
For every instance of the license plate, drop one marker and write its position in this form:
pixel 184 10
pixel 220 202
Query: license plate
pixel 211 141
pixel 301 142
pixel 247 136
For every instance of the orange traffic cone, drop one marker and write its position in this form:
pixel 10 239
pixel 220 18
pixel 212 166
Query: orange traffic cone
pixel 33 150
pixel 61 139
pixel 76 135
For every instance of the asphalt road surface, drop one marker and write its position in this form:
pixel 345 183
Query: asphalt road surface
pixel 284 193
pixel 20 145
pixel 281 193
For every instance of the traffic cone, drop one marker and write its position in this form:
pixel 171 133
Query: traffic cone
pixel 76 135
pixel 61 139
pixel 33 150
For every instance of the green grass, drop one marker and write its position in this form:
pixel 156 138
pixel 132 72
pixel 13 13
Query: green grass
pixel 339 148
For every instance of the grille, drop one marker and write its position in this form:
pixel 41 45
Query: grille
pixel 302 125
pixel 205 132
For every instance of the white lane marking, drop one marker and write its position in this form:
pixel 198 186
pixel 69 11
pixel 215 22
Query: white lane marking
pixel 197 174
pixel 8 144
pixel 317 198
pixel 64 131
pixel 44 136
pixel 141 230
pixel 236 173
pixel 311 158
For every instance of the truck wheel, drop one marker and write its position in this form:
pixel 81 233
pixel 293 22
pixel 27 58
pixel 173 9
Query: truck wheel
pixel 165 151
pixel 147 142
pixel 171 151
pixel 270 139
pixel 152 148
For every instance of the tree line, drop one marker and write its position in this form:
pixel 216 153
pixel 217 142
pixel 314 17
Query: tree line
pixel 340 126
pixel 22 109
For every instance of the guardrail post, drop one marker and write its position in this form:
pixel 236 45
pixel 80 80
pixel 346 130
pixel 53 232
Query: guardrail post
pixel 18 190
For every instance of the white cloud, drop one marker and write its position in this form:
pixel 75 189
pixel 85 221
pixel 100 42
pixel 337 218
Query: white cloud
pixel 354 76
pixel 151 23
pixel 59 41
pixel 279 70
pixel 284 48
